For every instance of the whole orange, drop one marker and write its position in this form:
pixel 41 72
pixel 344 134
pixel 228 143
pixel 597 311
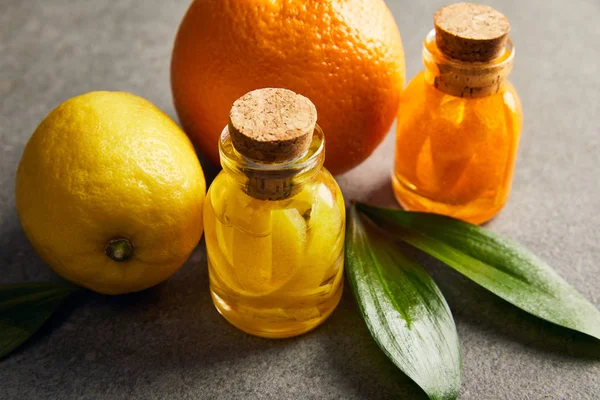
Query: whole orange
pixel 346 56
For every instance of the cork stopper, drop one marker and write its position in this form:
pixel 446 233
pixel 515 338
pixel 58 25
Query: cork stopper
pixel 272 125
pixel 474 83
pixel 471 32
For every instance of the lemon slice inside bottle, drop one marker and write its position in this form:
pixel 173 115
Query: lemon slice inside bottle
pixel 289 241
pixel 267 256
pixel 324 241
pixel 252 252
pixel 221 268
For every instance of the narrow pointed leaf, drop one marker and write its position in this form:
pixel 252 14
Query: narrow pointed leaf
pixel 499 265
pixel 404 310
pixel 25 307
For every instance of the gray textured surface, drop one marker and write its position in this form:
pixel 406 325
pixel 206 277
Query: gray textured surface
pixel 169 342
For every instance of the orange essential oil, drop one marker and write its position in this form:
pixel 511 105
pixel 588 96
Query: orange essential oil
pixel 458 132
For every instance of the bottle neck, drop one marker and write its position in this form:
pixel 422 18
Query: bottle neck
pixel 272 181
pixel 465 79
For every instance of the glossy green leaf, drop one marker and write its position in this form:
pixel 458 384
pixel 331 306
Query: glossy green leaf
pixel 25 307
pixel 404 310
pixel 499 265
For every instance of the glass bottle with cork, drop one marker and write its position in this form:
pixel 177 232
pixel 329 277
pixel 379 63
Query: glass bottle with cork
pixel 458 130
pixel 274 218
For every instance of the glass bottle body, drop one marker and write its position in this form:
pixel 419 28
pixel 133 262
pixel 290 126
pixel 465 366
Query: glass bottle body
pixel 456 155
pixel 275 266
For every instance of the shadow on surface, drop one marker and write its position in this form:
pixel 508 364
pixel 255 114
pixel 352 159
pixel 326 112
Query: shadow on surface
pixel 359 360
pixel 474 305
pixel 18 260
pixel 210 170
pixel 64 312
pixel 383 195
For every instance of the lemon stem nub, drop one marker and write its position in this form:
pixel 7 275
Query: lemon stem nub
pixel 119 249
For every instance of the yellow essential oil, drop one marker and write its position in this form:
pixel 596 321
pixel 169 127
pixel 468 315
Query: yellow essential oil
pixel 274 219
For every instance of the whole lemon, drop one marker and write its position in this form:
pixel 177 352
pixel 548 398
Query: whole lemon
pixel 345 56
pixel 110 192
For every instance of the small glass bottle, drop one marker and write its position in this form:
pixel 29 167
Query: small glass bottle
pixel 460 119
pixel 274 219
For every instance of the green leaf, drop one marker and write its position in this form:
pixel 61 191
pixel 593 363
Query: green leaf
pixel 499 265
pixel 24 308
pixel 404 310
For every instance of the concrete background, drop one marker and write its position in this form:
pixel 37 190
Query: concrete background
pixel 169 342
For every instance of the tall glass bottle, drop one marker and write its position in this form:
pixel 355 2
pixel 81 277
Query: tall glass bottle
pixel 274 219
pixel 460 119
